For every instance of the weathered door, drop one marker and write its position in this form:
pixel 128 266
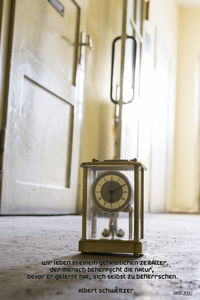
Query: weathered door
pixel 44 115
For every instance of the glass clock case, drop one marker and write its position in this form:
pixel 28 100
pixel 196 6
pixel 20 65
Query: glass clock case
pixel 113 207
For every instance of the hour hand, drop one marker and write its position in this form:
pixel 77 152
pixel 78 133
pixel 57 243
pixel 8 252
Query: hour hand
pixel 111 196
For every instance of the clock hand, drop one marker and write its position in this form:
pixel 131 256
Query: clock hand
pixel 111 198
pixel 118 188
pixel 111 192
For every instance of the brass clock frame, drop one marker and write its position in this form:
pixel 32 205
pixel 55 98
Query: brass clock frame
pixel 137 244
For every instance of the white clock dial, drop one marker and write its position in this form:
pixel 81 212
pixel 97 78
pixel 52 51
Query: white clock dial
pixel 111 191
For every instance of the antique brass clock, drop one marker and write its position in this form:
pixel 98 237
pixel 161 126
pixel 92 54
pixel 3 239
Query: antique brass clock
pixel 113 207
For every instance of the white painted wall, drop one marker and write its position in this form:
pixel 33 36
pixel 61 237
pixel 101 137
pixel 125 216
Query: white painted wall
pixel 186 189
pixel 162 29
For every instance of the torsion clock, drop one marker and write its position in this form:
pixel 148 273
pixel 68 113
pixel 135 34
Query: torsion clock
pixel 113 207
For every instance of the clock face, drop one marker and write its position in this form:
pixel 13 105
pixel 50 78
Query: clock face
pixel 111 191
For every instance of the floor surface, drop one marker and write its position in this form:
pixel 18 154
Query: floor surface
pixel 38 252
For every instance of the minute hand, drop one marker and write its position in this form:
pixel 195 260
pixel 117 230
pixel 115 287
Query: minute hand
pixel 118 188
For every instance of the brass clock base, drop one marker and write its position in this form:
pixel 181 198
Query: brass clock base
pixel 112 246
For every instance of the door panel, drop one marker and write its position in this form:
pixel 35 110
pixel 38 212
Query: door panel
pixel 44 132
pixel 45 103
pixel 50 38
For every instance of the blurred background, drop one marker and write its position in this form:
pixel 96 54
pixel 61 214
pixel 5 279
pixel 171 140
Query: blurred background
pixel 56 108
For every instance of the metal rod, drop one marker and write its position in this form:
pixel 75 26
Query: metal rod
pixel 94 214
pixel 142 203
pixel 115 99
pixel 123 49
pixel 136 204
pixel 137 33
pixel 130 224
pixel 84 205
pixel 94 223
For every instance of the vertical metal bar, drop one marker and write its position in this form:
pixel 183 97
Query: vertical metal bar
pixel 130 224
pixel 142 203
pixel 94 223
pixel 123 50
pixel 136 204
pixel 84 217
pixel 94 214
